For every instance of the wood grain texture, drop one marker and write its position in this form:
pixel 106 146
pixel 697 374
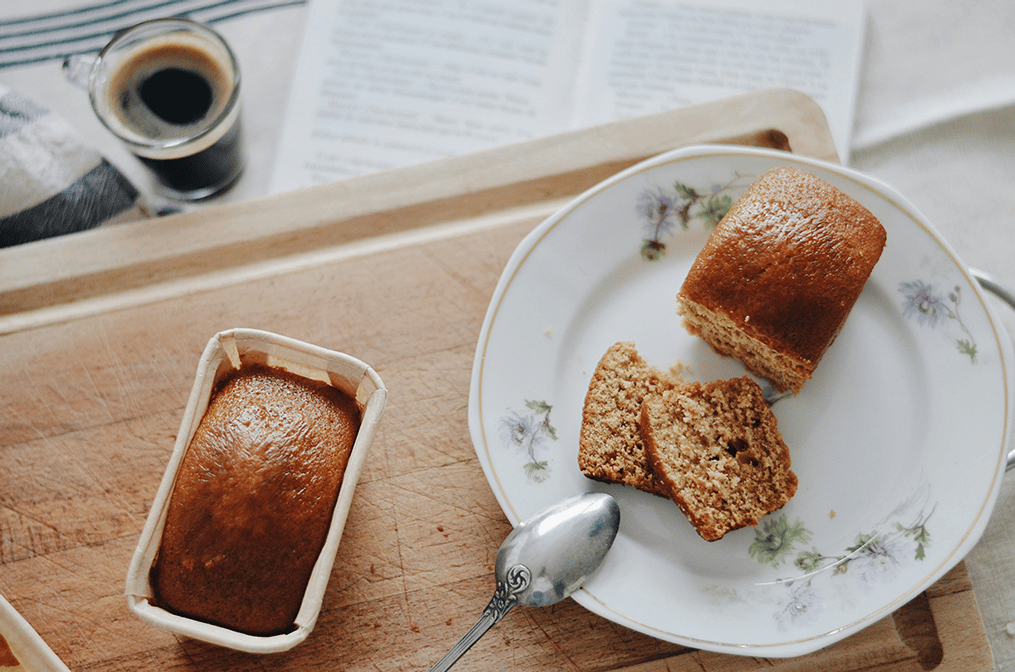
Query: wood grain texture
pixel 135 255
pixel 90 404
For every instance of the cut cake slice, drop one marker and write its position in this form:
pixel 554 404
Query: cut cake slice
pixel 717 448
pixel 610 447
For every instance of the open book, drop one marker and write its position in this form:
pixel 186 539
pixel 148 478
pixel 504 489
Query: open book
pixel 379 85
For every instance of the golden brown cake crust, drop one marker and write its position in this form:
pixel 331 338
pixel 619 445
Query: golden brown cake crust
pixel 785 265
pixel 610 447
pixel 718 449
pixel 253 501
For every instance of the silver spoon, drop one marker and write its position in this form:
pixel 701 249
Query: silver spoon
pixel 545 559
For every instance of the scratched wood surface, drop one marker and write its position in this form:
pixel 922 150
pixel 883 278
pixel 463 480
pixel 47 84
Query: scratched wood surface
pixel 93 383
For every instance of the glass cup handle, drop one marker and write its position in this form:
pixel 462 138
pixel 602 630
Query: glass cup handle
pixel 77 68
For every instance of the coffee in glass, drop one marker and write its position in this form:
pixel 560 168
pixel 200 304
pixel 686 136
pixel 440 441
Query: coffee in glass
pixel 169 89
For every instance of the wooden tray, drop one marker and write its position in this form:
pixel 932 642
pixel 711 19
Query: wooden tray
pixel 100 333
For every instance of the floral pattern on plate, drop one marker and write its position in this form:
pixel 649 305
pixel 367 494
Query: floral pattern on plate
pixel 530 431
pixel 876 557
pixel 933 309
pixel 662 210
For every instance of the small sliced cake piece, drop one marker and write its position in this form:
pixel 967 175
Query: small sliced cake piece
pixel 780 273
pixel 610 447
pixel 718 449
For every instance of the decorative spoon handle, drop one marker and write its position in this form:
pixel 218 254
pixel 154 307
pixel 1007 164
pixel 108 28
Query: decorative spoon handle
pixel 505 597
pixel 484 623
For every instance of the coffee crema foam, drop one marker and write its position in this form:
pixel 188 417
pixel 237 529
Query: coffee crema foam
pixel 127 108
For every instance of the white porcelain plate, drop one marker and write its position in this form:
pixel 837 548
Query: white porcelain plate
pixel 898 441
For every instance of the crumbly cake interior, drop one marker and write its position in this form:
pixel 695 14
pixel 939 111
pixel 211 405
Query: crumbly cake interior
pixel 726 338
pixel 718 449
pixel 610 447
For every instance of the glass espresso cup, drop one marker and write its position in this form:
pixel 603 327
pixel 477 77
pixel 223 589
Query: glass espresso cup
pixel 170 90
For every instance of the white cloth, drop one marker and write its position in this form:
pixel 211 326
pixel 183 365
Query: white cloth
pixel 936 120
pixel 54 182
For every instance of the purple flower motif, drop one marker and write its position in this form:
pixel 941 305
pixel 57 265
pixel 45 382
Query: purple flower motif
pixel 657 209
pixel 801 606
pixel 663 211
pixel 932 309
pixel 881 559
pixel 920 300
pixel 515 428
pixel 530 432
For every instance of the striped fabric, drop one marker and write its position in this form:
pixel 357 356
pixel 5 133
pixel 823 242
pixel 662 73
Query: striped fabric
pixel 33 39
pixel 51 182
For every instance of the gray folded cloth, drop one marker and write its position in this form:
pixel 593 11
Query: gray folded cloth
pixel 52 182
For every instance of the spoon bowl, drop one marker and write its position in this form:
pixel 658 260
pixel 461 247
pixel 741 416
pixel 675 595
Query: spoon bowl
pixel 545 559
pixel 562 546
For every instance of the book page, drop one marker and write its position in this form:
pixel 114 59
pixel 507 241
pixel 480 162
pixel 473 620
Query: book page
pixel 381 84
pixel 648 56
pixel 387 83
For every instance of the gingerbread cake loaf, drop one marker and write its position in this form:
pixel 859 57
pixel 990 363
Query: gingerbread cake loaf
pixel 780 273
pixel 253 501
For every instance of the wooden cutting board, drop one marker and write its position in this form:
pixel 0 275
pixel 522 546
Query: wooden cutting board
pixel 100 334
